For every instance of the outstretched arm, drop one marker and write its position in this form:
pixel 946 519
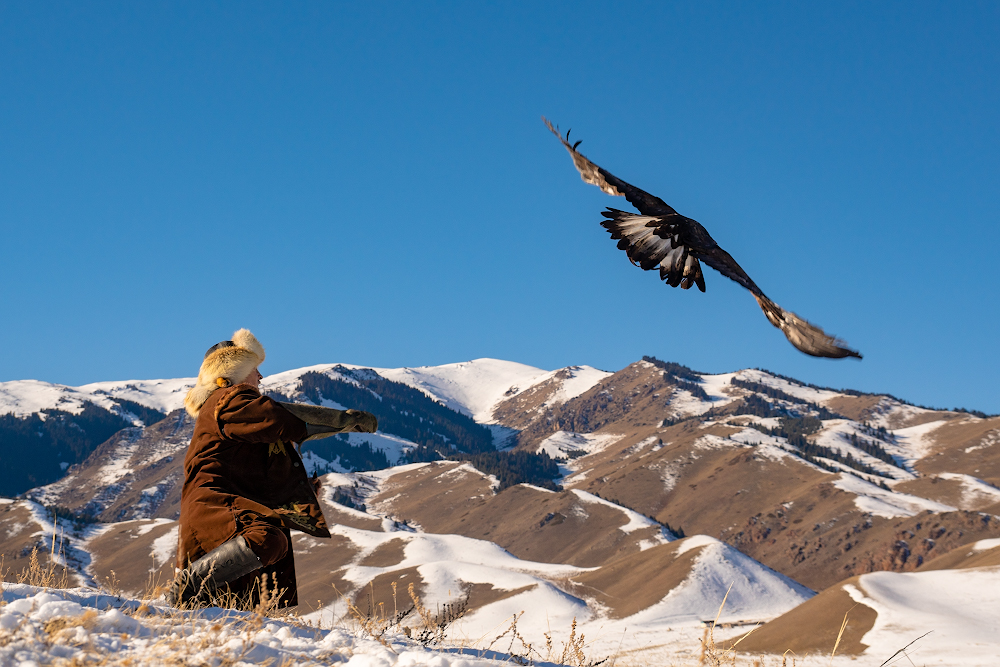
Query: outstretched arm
pixel 322 422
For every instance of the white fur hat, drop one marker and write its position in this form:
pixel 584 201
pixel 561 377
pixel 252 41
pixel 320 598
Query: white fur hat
pixel 225 364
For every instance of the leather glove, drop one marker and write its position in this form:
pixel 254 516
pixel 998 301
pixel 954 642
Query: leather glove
pixel 322 422
pixel 364 422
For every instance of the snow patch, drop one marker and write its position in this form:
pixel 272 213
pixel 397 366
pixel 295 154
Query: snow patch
pixel 888 504
pixel 563 444
pixel 801 392
pixel 991 438
pixel 974 490
pixel 164 547
pixel 986 545
pixel 757 592
pixel 26 397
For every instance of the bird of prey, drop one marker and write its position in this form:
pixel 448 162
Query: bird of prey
pixel 659 236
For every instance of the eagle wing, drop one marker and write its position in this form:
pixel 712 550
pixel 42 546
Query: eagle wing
pixel 804 335
pixel 609 183
pixel 660 236
pixel 651 239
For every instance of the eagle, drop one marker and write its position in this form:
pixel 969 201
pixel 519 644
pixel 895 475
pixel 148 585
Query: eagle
pixel 659 236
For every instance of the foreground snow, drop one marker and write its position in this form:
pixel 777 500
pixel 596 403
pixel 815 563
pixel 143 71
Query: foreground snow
pixel 952 615
pixel 82 626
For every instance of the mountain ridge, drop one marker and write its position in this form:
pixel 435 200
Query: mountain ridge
pixel 662 472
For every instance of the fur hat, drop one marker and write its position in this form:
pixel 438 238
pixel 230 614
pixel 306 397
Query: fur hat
pixel 225 364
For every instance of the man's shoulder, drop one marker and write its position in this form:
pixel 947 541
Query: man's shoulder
pixel 238 393
pixel 244 399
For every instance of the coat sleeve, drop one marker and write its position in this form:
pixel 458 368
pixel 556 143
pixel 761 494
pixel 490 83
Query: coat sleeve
pixel 247 416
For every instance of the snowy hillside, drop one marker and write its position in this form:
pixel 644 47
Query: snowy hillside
pixel 25 397
pixel 473 388
pixel 91 414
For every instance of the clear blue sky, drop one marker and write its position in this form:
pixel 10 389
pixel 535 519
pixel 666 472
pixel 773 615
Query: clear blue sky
pixel 371 183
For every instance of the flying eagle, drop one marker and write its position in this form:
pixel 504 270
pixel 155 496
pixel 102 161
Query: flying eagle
pixel 660 236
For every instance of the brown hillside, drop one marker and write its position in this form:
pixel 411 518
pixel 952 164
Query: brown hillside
pixel 634 397
pixel 19 533
pixel 964 557
pixel 630 584
pixel 968 445
pixel 523 408
pixel 531 523
pixel 144 482
pixel 812 627
pixel 950 492
pixel 123 554
pixel 784 513
pixel 858 408
pixel 776 508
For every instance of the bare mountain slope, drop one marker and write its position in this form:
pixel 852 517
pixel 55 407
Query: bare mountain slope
pixel 136 474
pixel 707 454
pixel 553 527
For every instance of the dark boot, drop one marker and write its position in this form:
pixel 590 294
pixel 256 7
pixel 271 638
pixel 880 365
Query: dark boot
pixel 227 562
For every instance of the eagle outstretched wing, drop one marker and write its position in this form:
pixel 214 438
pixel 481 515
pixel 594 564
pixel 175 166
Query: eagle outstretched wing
pixel 661 237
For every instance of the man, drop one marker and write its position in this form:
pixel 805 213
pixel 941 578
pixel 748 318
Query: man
pixel 244 482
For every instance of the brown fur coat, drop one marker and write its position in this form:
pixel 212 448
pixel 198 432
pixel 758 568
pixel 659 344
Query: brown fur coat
pixel 242 464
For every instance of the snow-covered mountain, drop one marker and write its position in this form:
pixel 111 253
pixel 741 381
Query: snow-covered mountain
pixel 473 388
pixel 66 424
pixel 22 398
pixel 777 485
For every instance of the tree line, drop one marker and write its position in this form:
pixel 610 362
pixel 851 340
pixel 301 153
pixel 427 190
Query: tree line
pixel 401 410
pixel 32 448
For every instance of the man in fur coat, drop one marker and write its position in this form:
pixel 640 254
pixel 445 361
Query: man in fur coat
pixel 244 482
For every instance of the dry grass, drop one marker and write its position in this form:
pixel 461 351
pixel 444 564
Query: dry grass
pixel 714 656
pixel 428 628
pixel 431 629
pixel 50 575
pixel 375 621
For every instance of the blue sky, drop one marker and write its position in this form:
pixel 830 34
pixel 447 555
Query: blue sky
pixel 371 183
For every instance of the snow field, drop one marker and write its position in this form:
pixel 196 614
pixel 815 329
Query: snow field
pixel 449 563
pixel 914 442
pixel 714 386
pixel 473 388
pixel 82 626
pixel 757 592
pixel 957 607
pixel 835 434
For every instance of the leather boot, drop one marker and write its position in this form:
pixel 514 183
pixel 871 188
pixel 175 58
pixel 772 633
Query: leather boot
pixel 227 562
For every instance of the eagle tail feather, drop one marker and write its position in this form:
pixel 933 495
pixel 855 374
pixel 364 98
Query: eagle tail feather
pixel 804 335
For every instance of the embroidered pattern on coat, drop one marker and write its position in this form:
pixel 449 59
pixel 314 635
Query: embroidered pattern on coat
pixel 297 514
